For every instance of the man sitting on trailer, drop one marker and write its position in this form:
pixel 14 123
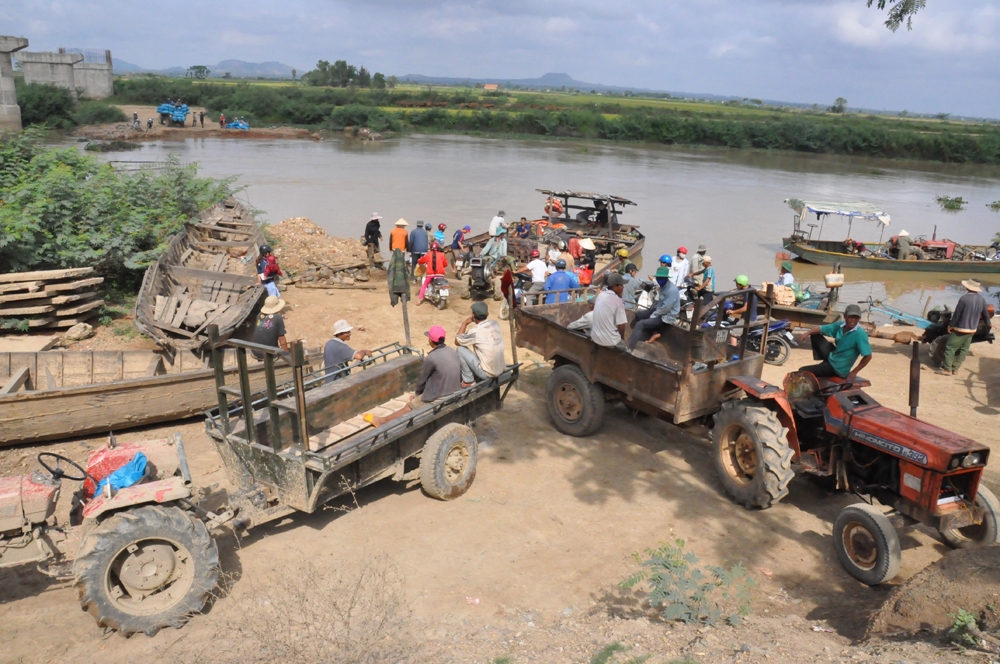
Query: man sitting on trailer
pixel 480 349
pixel 649 322
pixel 337 354
pixel 440 377
pixel 270 329
pixel 609 315
pixel 838 358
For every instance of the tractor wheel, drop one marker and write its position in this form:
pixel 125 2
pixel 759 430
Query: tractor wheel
pixel 778 351
pixel 987 532
pixel 576 405
pixel 448 461
pixel 145 569
pixel 751 454
pixel 867 544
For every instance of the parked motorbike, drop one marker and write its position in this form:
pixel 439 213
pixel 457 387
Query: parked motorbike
pixel 437 292
pixel 780 341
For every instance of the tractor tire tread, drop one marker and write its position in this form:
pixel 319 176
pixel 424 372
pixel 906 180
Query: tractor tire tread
pixel 591 394
pixel 776 458
pixel 991 535
pixel 432 478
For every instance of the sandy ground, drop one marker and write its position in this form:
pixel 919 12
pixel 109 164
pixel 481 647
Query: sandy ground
pixel 211 128
pixel 543 535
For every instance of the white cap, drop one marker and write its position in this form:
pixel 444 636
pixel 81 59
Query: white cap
pixel 340 327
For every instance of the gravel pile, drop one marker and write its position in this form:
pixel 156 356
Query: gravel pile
pixel 302 243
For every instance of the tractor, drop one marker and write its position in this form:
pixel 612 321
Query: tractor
pixel 832 429
pixel 141 556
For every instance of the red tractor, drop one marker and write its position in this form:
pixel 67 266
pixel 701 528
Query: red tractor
pixel 832 429
pixel 141 558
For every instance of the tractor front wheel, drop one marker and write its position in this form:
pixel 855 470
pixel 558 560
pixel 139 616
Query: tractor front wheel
pixel 981 534
pixel 751 453
pixel 145 569
pixel 867 544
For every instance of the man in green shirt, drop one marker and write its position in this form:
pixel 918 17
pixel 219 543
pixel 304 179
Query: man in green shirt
pixel 850 341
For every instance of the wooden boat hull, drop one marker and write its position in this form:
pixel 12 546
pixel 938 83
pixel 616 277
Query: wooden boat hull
pixel 822 257
pixel 72 408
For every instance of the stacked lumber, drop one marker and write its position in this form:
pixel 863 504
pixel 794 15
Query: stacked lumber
pixel 50 298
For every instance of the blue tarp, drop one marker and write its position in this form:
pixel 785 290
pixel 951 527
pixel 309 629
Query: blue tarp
pixel 125 476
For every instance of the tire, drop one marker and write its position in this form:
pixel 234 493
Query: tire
pixel 448 461
pixel 751 453
pixel 867 544
pixel 161 533
pixel 576 405
pixel 986 533
pixel 442 303
pixel 778 351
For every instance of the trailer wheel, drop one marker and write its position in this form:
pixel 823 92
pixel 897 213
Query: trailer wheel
pixel 576 405
pixel 983 534
pixel 448 461
pixel 867 544
pixel 145 569
pixel 751 453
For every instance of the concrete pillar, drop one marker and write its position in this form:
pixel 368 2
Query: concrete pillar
pixel 10 112
pixel 50 69
pixel 96 78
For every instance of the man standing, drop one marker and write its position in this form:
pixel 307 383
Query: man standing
pixel 850 341
pixel 560 280
pixel 697 264
pixel 457 247
pixel 609 316
pixel 536 267
pixel 668 305
pixel 201 118
pixel 337 354
pixel 480 349
pixel 270 328
pixel 903 243
pixel 373 233
pixel 706 288
pixel 418 243
pixel 970 310
pixel 498 222
pixel 222 121
pixel 398 237
pixel 680 267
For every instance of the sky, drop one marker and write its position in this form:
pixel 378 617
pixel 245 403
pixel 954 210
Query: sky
pixel 806 51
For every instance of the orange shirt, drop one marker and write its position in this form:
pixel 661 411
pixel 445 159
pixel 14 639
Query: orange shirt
pixel 397 239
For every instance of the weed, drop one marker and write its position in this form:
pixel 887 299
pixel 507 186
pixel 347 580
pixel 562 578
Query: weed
pixel 124 329
pixel 503 660
pixel 995 206
pixel 606 653
pixel 962 623
pixel 18 324
pixel 684 592
pixel 951 203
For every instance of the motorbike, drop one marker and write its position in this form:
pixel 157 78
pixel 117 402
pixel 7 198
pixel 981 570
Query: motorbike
pixel 437 292
pixel 480 279
pixel 780 341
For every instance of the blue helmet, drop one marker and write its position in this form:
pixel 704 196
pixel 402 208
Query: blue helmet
pixel 666 259
pixel 560 264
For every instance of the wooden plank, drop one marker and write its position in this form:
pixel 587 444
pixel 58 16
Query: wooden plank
pixel 4 365
pixel 73 285
pixel 45 275
pixel 21 378
pixel 50 382
pixel 26 311
pixel 39 322
pixel 161 302
pixel 167 313
pixel 21 360
pixel 187 254
pixel 226 230
pixel 22 285
pixel 80 308
pixel 70 322
pixel 156 367
pixel 42 298
pixel 192 273
pixel 223 243
pixel 181 312
pixel 78 368
pixel 51 364
pixel 107 366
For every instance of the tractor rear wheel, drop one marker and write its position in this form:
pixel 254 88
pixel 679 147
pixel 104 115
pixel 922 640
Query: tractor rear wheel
pixel 576 405
pixel 751 453
pixel 145 569
pixel 983 534
pixel 867 544
pixel 448 461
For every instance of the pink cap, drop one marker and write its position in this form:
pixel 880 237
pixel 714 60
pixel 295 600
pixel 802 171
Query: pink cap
pixel 436 334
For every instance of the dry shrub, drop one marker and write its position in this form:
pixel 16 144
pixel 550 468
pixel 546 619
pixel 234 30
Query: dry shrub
pixel 312 615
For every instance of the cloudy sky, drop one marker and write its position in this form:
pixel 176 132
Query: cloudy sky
pixel 793 50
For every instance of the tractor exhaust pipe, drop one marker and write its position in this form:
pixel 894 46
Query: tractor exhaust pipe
pixel 915 378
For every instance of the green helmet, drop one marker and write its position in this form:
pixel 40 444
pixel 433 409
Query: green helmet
pixel 743 280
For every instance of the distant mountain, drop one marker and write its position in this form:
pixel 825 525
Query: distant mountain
pixel 550 80
pixel 235 68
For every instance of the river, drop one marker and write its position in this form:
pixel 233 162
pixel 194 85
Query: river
pixel 730 200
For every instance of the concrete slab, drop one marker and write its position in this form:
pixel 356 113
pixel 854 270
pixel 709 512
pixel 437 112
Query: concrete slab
pixel 29 343
pixel 50 68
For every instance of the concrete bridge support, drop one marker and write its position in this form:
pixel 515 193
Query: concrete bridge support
pixel 10 112
pixel 50 69
pixel 95 78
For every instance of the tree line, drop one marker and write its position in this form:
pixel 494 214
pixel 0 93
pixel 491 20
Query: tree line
pixel 340 74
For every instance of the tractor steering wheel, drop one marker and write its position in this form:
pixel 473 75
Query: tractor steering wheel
pixel 833 389
pixel 57 472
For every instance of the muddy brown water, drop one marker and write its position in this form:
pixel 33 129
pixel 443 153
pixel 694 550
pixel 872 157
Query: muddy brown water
pixel 730 200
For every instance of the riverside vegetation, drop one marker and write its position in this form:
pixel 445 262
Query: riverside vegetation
pixel 581 116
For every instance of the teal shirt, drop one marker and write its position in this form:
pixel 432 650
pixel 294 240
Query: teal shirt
pixel 708 277
pixel 850 346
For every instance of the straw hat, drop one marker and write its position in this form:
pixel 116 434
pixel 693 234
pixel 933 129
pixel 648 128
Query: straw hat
pixel 375 216
pixel 272 305
pixel 401 222
pixel 587 244
pixel 903 233
pixel 972 285
pixel 340 327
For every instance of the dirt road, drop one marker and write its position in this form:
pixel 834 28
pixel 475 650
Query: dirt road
pixel 544 534
pixel 211 127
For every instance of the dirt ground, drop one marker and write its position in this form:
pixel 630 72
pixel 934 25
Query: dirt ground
pixel 211 128
pixel 525 565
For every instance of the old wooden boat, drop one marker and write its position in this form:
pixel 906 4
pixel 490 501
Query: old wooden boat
pixel 52 395
pixel 208 276
pixel 942 256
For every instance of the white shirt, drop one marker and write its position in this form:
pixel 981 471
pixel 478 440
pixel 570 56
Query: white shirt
pixel 537 267
pixel 487 342
pixel 609 313
pixel 496 223
pixel 679 271
pixel 554 255
pixel 786 279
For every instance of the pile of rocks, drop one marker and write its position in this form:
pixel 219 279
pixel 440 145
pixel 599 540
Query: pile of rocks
pixel 313 259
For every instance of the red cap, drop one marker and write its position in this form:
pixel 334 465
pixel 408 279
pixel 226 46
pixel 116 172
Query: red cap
pixel 682 250
pixel 436 334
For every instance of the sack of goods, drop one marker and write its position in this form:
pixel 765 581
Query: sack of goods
pixel 783 295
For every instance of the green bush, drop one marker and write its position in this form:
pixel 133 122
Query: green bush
pixel 97 112
pixel 44 104
pixel 65 209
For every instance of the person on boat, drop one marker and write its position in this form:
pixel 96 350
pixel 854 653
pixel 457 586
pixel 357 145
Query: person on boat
pixel 588 254
pixel 649 322
pixel 480 349
pixel 608 328
pixel 418 243
pixel 697 264
pixel 495 249
pixel 749 299
pixel 267 280
pixel 837 358
pixel 270 326
pixel 903 248
pixel 633 284
pixel 622 256
pixel 856 248
pixel 498 221
pixel 680 267
pixel 536 268
pixel 970 310
pixel 560 280
pixel 523 230
pixel 435 262
pixel 373 233
pixel 337 354
pixel 785 277
pixel 706 289
pixel 440 377
pixel 398 238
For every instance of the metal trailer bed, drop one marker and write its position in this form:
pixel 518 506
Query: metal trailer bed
pixel 277 470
